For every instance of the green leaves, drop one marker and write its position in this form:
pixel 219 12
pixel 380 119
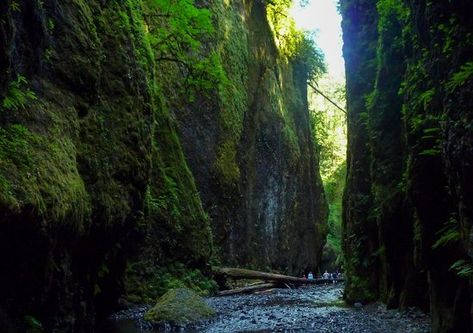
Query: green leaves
pixel 390 11
pixel 179 33
pixel 308 53
pixel 18 95
pixel 448 234
pixel 430 152
pixel 459 78
pixel 182 25
pixel 463 268
pixel 15 6
pixel 293 44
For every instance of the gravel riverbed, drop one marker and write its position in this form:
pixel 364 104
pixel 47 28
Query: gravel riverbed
pixel 306 309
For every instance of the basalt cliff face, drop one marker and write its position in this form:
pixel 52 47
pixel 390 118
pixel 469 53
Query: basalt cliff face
pixel 252 152
pixel 112 170
pixel 407 220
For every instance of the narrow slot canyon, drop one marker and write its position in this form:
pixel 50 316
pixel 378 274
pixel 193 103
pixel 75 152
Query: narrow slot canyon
pixel 236 166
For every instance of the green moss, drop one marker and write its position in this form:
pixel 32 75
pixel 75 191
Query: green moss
pixel 40 170
pixel 359 289
pixel 179 306
pixel 145 282
pixel 226 163
pixel 233 98
pixel 292 141
pixel 173 201
pixel 172 221
pixel 6 195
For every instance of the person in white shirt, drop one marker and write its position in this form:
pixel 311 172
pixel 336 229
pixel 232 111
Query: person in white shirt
pixel 326 275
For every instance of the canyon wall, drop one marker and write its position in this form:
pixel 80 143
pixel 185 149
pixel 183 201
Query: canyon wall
pixel 407 216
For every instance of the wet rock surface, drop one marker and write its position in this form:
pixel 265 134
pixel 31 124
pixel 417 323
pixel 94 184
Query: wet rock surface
pixel 306 309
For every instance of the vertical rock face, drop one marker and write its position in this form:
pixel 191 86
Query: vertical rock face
pixel 416 130
pixel 103 170
pixel 359 231
pixel 252 152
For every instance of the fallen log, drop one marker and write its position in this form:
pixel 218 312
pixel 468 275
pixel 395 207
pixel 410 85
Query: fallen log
pixel 248 289
pixel 241 273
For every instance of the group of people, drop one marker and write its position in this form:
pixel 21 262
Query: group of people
pixel 327 276
pixel 332 276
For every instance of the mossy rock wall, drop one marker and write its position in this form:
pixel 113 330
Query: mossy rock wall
pixel 92 172
pixel 414 129
pixel 251 151
pixel 359 230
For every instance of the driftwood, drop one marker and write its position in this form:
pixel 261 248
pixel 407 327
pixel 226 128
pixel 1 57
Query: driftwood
pixel 248 289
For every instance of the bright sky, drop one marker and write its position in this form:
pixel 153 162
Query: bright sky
pixel 322 16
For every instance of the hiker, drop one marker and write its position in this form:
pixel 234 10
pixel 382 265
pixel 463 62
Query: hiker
pixel 310 276
pixel 326 275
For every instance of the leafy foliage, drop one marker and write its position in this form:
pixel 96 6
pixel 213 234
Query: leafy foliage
pixel 389 11
pixel 463 268
pixel 179 33
pixel 334 187
pixel 460 77
pixel 308 53
pixel 329 125
pixel 448 234
pixel 18 95
pixel 293 44
pixel 15 6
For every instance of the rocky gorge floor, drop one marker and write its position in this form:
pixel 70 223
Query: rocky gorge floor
pixel 306 309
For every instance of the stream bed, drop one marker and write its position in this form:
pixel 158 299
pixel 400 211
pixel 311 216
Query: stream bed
pixel 306 309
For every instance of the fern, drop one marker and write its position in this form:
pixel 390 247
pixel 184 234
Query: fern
pixel 430 152
pixel 426 98
pixel 459 78
pixel 448 234
pixel 18 95
pixel 15 6
pixel 432 130
pixel 462 268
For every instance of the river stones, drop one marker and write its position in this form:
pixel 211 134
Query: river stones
pixel 179 306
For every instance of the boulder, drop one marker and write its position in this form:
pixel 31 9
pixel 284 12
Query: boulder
pixel 179 306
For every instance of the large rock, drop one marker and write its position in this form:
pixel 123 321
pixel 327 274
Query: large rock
pixel 179 306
